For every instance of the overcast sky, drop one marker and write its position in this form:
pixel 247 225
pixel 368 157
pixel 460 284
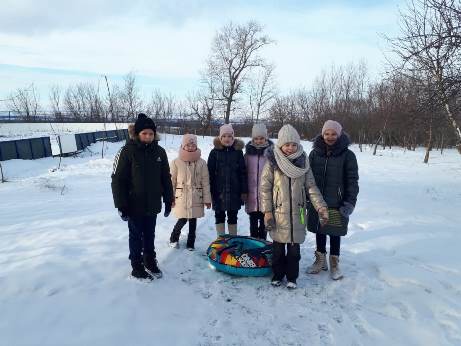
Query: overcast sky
pixel 166 42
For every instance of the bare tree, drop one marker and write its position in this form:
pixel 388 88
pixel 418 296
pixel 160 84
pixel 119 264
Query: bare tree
pixel 55 101
pixel 25 102
pixel 262 90
pixel 430 43
pixel 234 53
pixel 131 102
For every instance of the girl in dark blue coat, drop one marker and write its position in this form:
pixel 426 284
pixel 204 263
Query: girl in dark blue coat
pixel 228 179
pixel 336 174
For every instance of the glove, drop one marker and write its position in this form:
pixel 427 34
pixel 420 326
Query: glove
pixel 323 215
pixel 167 209
pixel 346 209
pixel 123 214
pixel 269 221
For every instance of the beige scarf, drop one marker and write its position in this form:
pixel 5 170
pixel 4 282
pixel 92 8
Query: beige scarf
pixel 286 165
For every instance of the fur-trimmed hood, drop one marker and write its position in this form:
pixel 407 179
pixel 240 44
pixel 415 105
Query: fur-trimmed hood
pixel 238 144
pixel 298 162
pixel 250 149
pixel 341 144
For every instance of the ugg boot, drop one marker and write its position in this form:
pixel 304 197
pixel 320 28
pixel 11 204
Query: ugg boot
pixel 335 271
pixel 232 229
pixel 220 229
pixel 319 264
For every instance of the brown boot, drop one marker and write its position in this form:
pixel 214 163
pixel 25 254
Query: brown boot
pixel 335 271
pixel 319 264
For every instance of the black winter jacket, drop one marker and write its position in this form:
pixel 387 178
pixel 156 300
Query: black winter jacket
pixel 141 177
pixel 336 175
pixel 228 177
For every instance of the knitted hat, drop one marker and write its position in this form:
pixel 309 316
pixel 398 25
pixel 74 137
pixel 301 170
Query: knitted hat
pixel 143 122
pixel 188 139
pixel 226 129
pixel 259 130
pixel 287 134
pixel 332 125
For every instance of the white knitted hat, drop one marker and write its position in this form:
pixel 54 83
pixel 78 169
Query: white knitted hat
pixel 287 134
pixel 259 130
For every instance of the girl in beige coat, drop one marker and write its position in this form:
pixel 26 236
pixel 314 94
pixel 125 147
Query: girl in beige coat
pixel 189 174
pixel 285 181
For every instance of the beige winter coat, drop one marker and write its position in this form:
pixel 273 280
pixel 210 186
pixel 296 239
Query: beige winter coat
pixel 289 206
pixel 192 188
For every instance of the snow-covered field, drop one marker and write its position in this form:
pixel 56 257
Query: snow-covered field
pixel 10 131
pixel 64 272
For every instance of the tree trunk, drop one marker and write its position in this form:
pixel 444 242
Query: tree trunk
pixel 455 126
pixel 441 144
pixel 377 143
pixel 429 144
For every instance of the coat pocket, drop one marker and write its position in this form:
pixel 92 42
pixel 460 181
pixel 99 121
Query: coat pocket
pixel 178 193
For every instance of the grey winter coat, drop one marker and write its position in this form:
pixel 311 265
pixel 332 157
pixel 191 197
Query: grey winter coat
pixel 286 199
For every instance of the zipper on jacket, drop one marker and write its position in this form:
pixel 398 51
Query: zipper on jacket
pixel 257 186
pixel 145 179
pixel 291 211
pixel 324 183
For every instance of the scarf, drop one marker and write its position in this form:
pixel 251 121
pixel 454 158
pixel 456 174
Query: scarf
pixel 189 156
pixel 286 165
pixel 261 146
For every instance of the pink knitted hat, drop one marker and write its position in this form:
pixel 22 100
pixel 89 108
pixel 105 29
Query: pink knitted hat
pixel 332 125
pixel 188 139
pixel 226 129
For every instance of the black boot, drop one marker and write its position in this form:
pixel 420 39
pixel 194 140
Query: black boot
pixel 151 265
pixel 139 271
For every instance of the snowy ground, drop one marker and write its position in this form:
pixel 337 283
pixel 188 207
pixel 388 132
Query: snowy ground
pixel 10 131
pixel 64 273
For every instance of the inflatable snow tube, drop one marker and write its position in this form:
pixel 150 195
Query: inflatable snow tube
pixel 240 255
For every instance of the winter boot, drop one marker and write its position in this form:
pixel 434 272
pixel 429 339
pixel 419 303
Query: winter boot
pixel 232 229
pixel 151 265
pixel 276 282
pixel 220 229
pixel 319 264
pixel 291 285
pixel 139 272
pixel 335 271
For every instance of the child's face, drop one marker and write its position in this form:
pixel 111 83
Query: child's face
pixel 227 139
pixel 146 136
pixel 289 148
pixel 330 137
pixel 190 147
pixel 259 140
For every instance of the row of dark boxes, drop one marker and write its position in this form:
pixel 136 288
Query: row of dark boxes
pixel 36 148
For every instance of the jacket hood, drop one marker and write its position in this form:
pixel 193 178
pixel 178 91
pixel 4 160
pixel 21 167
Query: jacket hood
pixel 238 144
pixel 298 162
pixel 250 149
pixel 341 144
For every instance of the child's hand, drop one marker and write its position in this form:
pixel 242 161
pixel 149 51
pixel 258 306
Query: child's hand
pixel 173 204
pixel 208 205
pixel 323 215
pixel 269 221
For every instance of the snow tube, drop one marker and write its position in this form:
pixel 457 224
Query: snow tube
pixel 240 255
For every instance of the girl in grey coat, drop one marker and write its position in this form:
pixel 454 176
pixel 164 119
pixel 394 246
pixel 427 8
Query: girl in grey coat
pixel 285 182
